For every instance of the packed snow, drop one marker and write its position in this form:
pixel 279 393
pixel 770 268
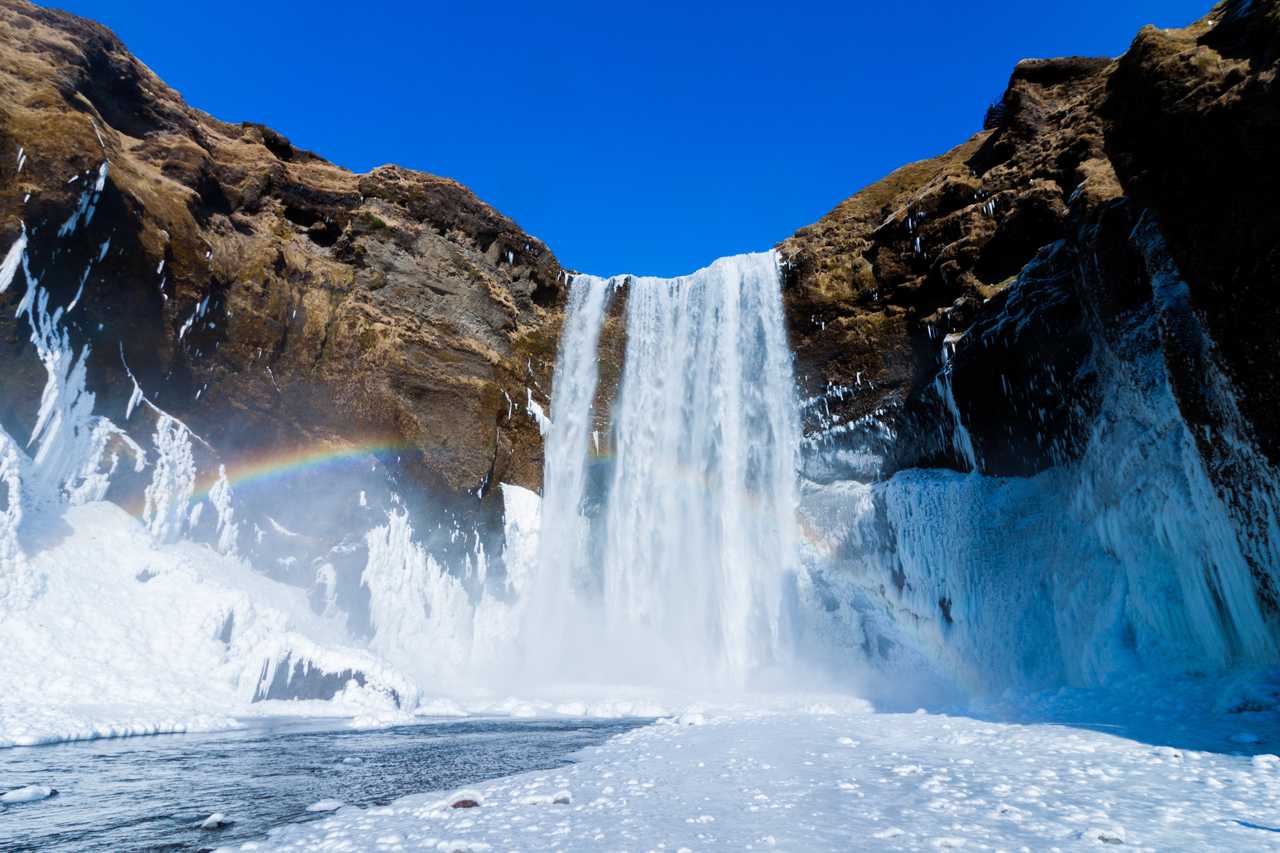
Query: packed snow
pixel 840 776
pixel 125 637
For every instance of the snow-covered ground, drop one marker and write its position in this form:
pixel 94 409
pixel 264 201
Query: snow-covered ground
pixel 842 777
pixel 126 636
pixel 129 637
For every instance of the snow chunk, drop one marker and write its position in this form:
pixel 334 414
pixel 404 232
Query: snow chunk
pixel 1104 834
pixel 29 794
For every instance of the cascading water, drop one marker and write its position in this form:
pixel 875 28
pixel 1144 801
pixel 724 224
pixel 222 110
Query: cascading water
pixel 562 538
pixel 676 571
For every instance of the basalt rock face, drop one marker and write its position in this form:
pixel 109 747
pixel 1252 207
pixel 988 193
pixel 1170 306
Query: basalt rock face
pixel 951 314
pixel 268 298
pixel 1195 126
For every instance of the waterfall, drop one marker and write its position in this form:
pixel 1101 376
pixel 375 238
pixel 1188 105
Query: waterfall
pixel 553 610
pixel 671 567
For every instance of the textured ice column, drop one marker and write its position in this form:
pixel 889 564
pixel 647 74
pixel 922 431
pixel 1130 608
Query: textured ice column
pixel 220 497
pixel 422 618
pixel 172 481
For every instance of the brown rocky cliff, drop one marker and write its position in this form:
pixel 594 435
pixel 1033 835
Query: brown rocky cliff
pixel 1182 128
pixel 395 306
pixel 262 294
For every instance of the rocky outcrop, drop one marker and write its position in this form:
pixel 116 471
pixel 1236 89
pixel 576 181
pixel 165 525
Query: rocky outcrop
pixel 896 275
pixel 1106 246
pixel 970 290
pixel 268 298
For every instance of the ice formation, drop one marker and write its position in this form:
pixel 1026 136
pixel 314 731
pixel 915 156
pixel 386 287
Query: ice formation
pixel 168 635
pixel 172 483
pixel 1130 559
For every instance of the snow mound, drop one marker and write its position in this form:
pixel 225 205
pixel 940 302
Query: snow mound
pixel 186 645
pixel 29 794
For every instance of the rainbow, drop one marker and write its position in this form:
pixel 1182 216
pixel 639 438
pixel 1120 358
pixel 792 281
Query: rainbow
pixel 288 462
pixel 283 463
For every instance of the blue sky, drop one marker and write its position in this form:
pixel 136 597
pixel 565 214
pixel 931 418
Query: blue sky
pixel 631 137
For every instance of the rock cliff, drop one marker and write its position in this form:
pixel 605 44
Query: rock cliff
pixel 921 267
pixel 268 298
pixel 1027 304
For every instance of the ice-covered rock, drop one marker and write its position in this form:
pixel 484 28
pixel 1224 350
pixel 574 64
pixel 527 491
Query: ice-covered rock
pixel 467 798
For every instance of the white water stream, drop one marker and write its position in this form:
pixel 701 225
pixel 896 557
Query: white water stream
pixel 673 562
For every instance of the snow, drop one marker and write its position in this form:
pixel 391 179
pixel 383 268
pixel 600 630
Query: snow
pixel 325 806
pixel 789 779
pixel 107 650
pixel 29 794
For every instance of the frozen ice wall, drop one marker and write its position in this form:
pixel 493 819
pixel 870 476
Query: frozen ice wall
pixel 1132 557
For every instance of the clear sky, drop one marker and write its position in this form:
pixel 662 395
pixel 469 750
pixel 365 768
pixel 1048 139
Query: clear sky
pixel 631 137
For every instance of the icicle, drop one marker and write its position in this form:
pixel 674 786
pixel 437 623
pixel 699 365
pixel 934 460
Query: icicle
pixel 85 207
pixel 12 260
pixel 535 411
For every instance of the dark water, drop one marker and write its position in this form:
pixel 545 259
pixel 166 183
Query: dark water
pixel 150 793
